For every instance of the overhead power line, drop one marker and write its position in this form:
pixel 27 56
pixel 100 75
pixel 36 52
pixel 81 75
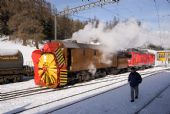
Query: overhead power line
pixel 80 8
pixel 159 25
pixel 86 6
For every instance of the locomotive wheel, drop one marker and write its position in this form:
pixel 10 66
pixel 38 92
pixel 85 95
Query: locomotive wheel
pixel 80 78
pixel 18 78
pixel 48 69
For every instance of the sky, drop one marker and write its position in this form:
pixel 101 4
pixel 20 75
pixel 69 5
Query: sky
pixel 155 14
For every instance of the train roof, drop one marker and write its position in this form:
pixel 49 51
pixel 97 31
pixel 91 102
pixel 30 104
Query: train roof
pixel 137 50
pixel 74 44
pixel 8 52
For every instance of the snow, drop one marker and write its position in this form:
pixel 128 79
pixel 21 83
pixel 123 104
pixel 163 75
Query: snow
pixel 117 101
pixel 4 52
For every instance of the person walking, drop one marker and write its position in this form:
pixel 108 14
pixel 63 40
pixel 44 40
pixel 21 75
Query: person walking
pixel 134 80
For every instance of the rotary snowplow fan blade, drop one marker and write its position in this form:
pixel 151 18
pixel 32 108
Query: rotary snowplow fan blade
pixel 47 70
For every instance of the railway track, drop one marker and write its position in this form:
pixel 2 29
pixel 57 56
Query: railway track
pixel 36 90
pixel 77 94
pixel 17 94
pixel 22 90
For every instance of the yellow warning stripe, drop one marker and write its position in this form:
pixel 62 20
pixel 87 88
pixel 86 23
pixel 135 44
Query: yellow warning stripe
pixel 63 78
pixel 59 54
pixel 57 50
pixel 63 73
pixel 63 84
pixel 60 60
pixel 62 70
pixel 63 81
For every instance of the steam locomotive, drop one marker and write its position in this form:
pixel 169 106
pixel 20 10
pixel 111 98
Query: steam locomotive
pixel 11 66
pixel 60 63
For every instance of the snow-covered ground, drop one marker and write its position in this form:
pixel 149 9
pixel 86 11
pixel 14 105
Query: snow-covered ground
pixel 110 97
pixel 118 101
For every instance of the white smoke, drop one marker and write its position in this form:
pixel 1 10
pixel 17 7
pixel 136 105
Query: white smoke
pixel 124 35
pixel 92 69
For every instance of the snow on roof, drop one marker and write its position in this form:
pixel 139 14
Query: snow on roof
pixel 11 45
pixel 74 44
pixel 9 52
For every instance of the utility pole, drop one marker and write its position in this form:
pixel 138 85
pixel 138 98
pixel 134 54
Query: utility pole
pixel 99 3
pixel 55 24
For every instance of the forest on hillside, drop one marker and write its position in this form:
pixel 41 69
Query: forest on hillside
pixel 34 20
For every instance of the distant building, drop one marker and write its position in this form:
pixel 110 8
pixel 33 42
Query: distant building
pixel 162 57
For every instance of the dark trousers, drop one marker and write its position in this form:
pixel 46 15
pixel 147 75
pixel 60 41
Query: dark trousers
pixel 134 92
